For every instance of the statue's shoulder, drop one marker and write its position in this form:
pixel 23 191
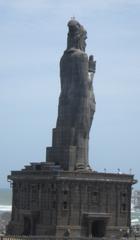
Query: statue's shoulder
pixel 75 54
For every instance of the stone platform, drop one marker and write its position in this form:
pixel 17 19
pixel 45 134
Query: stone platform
pixel 50 201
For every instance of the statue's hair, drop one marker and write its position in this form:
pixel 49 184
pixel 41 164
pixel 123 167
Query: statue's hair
pixel 76 35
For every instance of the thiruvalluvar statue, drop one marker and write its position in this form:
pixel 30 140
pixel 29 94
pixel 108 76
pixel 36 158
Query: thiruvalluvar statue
pixel 77 101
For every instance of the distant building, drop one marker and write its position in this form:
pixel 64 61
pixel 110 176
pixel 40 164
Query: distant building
pixel 136 199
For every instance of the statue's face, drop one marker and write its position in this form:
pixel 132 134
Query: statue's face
pixel 83 41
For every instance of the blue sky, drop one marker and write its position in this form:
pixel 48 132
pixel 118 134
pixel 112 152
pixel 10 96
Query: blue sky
pixel 33 38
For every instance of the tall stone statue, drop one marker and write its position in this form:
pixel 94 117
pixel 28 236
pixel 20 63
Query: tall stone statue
pixel 76 102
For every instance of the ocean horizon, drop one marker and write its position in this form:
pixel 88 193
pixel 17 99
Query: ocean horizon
pixel 5 200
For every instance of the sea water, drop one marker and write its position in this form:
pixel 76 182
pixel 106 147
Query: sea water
pixel 135 217
pixel 5 200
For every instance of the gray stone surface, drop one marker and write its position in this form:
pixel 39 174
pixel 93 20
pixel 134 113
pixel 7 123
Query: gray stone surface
pixel 76 103
pixel 48 201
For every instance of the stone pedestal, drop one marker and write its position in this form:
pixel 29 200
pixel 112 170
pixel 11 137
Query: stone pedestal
pixel 63 156
pixel 67 153
pixel 53 202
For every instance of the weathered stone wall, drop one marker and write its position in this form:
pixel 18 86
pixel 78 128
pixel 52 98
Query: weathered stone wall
pixel 54 204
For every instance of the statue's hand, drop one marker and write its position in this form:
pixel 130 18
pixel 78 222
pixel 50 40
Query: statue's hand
pixel 92 64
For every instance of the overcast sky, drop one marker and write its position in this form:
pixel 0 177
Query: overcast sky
pixel 33 38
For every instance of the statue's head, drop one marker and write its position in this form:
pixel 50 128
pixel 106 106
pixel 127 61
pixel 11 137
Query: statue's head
pixel 76 36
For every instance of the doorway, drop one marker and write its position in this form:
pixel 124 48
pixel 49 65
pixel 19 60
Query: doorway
pixel 98 228
pixel 27 226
